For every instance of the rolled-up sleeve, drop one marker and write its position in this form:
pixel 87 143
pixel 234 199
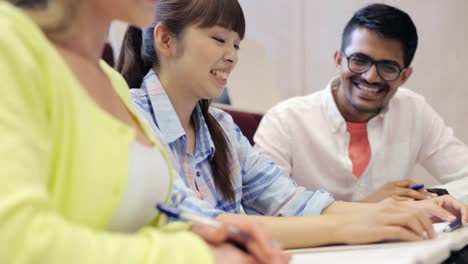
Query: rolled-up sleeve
pixel 444 155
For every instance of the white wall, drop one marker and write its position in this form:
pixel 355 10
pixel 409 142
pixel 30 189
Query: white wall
pixel 115 36
pixel 300 37
pixel 252 86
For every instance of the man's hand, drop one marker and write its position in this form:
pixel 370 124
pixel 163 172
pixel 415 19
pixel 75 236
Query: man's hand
pixel 442 208
pixel 399 190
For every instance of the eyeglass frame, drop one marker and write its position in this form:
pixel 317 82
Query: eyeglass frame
pixel 372 63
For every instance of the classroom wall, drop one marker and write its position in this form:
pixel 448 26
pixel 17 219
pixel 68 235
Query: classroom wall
pixel 300 37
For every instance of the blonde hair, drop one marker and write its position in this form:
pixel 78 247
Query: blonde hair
pixel 53 16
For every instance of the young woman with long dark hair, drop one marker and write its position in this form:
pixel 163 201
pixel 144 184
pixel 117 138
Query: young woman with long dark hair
pixel 177 66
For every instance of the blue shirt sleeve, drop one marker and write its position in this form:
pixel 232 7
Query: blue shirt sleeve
pixel 265 190
pixel 185 199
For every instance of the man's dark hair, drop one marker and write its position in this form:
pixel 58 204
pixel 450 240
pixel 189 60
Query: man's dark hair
pixel 387 21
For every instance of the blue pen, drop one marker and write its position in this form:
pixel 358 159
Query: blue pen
pixel 234 232
pixel 417 187
pixel 455 224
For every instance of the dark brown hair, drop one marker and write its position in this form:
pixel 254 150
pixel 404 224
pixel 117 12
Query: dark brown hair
pixel 138 56
pixel 387 21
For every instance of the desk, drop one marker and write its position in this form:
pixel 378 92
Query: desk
pixel 428 251
pixel 458 257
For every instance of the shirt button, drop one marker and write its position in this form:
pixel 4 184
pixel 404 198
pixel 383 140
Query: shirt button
pixel 198 174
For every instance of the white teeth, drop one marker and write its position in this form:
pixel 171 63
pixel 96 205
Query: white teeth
pixel 368 89
pixel 220 74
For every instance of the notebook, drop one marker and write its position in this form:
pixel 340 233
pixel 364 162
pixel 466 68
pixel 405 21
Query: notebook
pixel 427 251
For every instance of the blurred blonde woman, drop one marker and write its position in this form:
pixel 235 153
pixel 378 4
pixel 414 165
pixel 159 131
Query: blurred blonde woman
pixel 75 186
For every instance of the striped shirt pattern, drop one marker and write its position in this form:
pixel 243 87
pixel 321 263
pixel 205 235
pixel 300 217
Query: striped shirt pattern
pixel 260 186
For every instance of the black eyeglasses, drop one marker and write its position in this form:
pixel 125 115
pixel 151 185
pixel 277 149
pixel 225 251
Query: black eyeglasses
pixel 360 63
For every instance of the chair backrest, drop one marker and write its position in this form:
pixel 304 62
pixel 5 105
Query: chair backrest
pixel 247 121
pixel 108 55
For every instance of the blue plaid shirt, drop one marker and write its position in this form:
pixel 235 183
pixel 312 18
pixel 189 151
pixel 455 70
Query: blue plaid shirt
pixel 259 185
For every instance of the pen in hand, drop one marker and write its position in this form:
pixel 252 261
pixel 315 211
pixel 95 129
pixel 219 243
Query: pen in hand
pixel 455 224
pixel 417 187
pixel 420 186
pixel 236 236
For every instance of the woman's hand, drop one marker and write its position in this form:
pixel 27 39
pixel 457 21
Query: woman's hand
pixel 227 253
pixel 260 247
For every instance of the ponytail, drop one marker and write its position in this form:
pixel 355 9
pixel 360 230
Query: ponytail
pixel 220 164
pixel 138 56
pixel 133 62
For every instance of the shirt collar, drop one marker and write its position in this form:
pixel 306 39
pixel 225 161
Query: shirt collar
pixel 167 120
pixel 164 114
pixel 335 118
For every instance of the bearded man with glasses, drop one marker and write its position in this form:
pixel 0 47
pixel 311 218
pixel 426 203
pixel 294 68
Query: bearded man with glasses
pixel 361 137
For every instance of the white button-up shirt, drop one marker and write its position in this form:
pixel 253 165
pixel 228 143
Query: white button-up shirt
pixel 307 137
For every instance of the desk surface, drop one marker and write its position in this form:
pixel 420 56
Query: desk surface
pixel 428 251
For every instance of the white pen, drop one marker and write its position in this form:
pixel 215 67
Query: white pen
pixel 176 213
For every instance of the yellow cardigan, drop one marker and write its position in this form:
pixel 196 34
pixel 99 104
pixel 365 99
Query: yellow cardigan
pixel 64 164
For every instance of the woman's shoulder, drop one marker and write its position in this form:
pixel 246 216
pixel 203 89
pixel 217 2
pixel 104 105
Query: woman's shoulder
pixel 9 14
pixel 225 120
pixel 16 26
pixel 221 116
pixel 23 45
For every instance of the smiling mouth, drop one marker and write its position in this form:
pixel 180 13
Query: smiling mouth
pixel 368 89
pixel 220 74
